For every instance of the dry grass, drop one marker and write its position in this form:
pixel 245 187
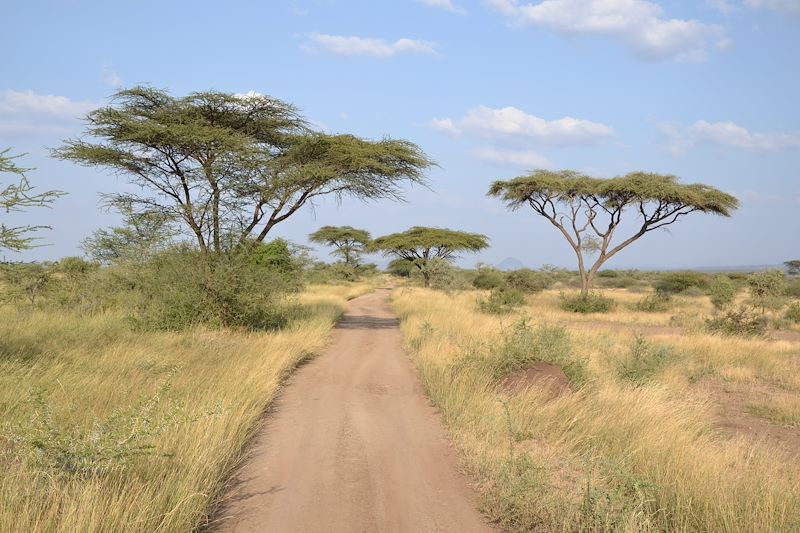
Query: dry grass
pixel 634 447
pixel 154 422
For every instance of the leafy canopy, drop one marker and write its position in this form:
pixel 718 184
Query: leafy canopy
pixel 420 244
pixel 349 242
pixel 588 211
pixel 230 167
pixel 18 196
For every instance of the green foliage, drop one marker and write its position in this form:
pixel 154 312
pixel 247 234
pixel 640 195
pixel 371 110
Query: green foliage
pixel 658 302
pixel 523 344
pixel 488 278
pixel 19 196
pixel 793 313
pixel 529 281
pixel 793 288
pixel 635 189
pixel 229 167
pixel 180 289
pixel 422 246
pixel 589 303
pixel 793 267
pixel 349 242
pixel 723 291
pixel 742 322
pixel 678 282
pixel 588 211
pixel 767 289
pixel 274 256
pixel 141 235
pixel 645 360
pixel 108 445
pixel 26 281
pixel 502 300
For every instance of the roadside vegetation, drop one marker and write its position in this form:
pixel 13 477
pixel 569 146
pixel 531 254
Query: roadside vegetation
pixel 642 426
pixel 129 390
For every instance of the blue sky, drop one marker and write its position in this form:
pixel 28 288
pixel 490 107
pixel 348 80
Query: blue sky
pixel 706 90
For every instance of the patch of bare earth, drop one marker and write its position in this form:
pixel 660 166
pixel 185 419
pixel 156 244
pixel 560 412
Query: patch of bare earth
pixel 544 376
pixel 733 417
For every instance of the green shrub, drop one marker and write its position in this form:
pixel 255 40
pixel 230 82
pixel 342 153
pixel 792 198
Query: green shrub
pixel 722 291
pixel 590 303
pixel 677 282
pixel 523 344
pixel 528 281
pixel 26 282
pixel 793 288
pixel 488 278
pixel 657 302
pixel 645 361
pixel 743 322
pixel 767 289
pixel 501 301
pixel 179 288
pixel 793 313
pixel 618 282
pixel 608 274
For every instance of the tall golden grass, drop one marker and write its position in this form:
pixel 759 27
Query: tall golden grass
pixel 634 447
pixel 205 393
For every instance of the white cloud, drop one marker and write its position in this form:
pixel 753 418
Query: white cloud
pixel 27 113
pixel 445 125
pixel 111 78
pixel 789 7
pixel 444 4
pixel 527 159
pixel 725 134
pixel 513 122
pixel 640 25
pixel 352 46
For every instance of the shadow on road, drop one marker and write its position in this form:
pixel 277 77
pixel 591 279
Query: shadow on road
pixel 367 322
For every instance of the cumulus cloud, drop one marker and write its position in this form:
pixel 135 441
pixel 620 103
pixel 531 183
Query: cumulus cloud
pixel 641 26
pixel 26 112
pixel 444 4
pixel 527 159
pixel 728 134
pixel 354 46
pixel 513 122
pixel 789 7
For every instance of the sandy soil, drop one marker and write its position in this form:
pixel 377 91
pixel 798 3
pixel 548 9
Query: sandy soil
pixel 353 445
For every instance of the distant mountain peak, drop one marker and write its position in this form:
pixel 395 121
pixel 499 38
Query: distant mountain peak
pixel 510 263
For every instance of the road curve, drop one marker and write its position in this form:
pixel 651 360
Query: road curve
pixel 353 445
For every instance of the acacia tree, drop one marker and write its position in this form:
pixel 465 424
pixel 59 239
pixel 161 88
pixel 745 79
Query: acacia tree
pixel 349 242
pixel 793 267
pixel 18 196
pixel 420 246
pixel 230 167
pixel 589 211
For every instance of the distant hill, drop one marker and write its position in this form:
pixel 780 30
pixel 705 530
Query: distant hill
pixel 510 263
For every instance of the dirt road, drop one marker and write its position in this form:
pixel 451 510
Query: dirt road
pixel 353 445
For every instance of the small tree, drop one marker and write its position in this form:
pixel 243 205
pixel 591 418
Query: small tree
pixel 16 197
pixel 589 211
pixel 767 288
pixel 229 167
pixel 723 291
pixel 350 243
pixel 793 267
pixel 141 235
pixel 421 246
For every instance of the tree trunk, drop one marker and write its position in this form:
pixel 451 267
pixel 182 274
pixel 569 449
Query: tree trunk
pixel 426 279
